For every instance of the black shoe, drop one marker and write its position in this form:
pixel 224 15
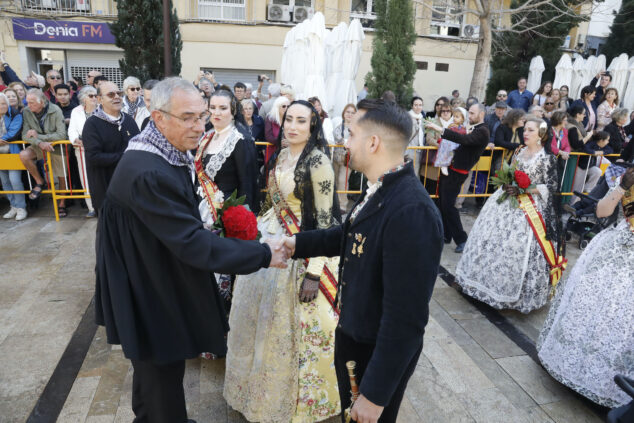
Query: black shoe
pixel 447 241
pixel 460 247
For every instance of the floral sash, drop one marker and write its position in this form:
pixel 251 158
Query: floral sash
pixel 290 223
pixel 209 187
pixel 556 262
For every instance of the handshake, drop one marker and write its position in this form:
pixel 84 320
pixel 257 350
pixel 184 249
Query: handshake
pixel 282 249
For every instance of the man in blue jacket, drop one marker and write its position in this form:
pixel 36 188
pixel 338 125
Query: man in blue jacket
pixel 520 98
pixel 389 247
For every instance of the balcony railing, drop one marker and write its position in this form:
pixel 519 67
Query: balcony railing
pixel 106 8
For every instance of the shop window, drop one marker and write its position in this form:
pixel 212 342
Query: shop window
pixel 446 17
pixel 364 11
pixel 421 65
pixel 442 67
pixel 222 10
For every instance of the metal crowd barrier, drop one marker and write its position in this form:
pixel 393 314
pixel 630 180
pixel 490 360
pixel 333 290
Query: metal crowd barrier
pixel 484 165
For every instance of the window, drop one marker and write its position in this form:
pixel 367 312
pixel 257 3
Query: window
pixel 446 17
pixel 421 65
pixel 442 67
pixel 222 10
pixel 364 11
pixel 293 3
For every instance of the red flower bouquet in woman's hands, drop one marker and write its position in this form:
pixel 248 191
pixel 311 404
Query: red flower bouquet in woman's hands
pixel 235 220
pixel 509 175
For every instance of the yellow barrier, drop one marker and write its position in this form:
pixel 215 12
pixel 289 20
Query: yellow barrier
pixel 13 162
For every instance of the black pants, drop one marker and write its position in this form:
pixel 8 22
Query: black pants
pixel 347 349
pixel 448 192
pixel 585 206
pixel 157 392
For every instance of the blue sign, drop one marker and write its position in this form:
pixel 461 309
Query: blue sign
pixel 62 31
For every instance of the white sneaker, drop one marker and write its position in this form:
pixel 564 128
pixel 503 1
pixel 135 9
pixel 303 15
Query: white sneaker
pixel 11 213
pixel 21 214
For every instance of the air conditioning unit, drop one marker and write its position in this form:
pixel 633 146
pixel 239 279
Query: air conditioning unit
pixel 471 31
pixel 82 5
pixel 279 13
pixel 301 13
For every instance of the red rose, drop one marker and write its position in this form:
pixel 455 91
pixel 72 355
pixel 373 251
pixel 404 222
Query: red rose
pixel 522 179
pixel 240 223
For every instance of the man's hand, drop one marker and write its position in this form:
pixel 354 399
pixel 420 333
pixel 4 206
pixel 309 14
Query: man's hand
pixel 31 133
pixel 433 126
pixel 289 243
pixel 279 254
pixel 564 155
pixel 78 143
pixel 364 411
pixel 627 180
pixel 46 146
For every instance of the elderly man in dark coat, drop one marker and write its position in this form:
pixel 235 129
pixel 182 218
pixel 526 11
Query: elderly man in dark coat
pixel 390 247
pixel 155 291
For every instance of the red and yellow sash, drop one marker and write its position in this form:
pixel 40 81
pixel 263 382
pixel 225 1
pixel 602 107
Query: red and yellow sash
pixel 628 207
pixel 290 223
pixel 209 187
pixel 556 262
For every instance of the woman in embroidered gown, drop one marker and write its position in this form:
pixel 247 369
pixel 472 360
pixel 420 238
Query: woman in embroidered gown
pixel 503 264
pixel 587 337
pixel 280 359
pixel 225 162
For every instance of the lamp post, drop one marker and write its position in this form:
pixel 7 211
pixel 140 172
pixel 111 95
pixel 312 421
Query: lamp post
pixel 167 38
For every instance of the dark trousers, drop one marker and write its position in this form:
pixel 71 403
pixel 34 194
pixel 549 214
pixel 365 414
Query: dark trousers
pixel 448 192
pixel 157 392
pixel 347 349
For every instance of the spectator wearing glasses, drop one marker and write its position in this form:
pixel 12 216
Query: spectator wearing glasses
pixel 105 137
pixel 520 98
pixel 53 79
pixel 272 126
pixel 549 108
pixel 500 96
pixel 133 103
pixel 564 98
pixel 90 78
pixel 88 105
pixel 536 111
pixel 442 101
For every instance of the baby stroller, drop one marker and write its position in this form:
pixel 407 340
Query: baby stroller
pixel 624 414
pixel 587 225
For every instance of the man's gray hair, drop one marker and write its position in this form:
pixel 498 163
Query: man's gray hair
pixel 131 81
pixel 41 98
pixel 619 113
pixel 4 98
pixel 84 92
pixel 163 92
pixel 248 85
pixel 275 89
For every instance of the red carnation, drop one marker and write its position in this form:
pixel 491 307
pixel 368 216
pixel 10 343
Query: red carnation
pixel 240 223
pixel 522 179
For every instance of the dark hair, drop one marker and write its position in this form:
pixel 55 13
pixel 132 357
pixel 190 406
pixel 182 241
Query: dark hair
pixel 599 135
pixel 471 100
pixel 443 99
pixel 575 109
pixel 97 79
pixel 62 87
pixel 149 84
pixel 455 92
pixel 323 115
pixel 588 89
pixel 522 77
pixel 73 85
pixel 387 115
pixel 557 118
pixel 234 104
pixel 513 116
pixel 608 74
pixel 605 93
pixel 540 91
pixel 239 85
pixel 566 86
pixel 411 103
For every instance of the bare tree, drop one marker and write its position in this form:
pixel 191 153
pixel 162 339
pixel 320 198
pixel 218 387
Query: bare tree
pixel 525 16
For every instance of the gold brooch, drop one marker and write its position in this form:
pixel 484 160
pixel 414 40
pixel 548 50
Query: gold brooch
pixel 357 249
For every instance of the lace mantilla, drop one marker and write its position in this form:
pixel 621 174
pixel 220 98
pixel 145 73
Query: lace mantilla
pixel 216 160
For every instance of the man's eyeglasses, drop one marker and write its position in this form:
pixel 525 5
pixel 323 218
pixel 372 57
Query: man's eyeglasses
pixel 92 95
pixel 111 95
pixel 190 120
pixel 549 104
pixel 501 95
pixel 135 88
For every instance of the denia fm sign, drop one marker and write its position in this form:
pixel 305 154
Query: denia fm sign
pixel 62 31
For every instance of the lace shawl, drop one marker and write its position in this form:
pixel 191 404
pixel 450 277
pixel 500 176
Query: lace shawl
pixel 218 159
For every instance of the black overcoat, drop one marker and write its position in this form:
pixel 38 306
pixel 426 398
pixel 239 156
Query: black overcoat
pixel 389 262
pixel 104 143
pixel 155 290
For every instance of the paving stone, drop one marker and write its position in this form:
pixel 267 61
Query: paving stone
pixel 97 355
pixel 496 343
pixel 448 324
pixel 570 410
pixel 407 413
pixel 536 415
pixel 212 376
pixel 78 401
pixel 455 304
pixel 490 406
pixel 106 400
pixel 534 379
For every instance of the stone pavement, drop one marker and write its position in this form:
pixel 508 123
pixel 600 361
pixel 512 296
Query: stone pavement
pixel 477 365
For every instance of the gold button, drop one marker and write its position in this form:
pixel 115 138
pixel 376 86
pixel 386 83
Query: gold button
pixel 345 259
pixel 349 235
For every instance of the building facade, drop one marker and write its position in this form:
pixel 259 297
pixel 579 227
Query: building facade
pixel 236 39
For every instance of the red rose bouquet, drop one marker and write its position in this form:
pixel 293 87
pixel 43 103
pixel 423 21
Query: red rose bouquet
pixel 235 220
pixel 509 175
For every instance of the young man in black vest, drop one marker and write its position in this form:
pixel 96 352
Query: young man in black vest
pixel 472 145
pixel 390 247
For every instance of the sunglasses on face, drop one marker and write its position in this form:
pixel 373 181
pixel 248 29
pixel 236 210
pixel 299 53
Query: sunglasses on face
pixel 549 104
pixel 135 88
pixel 111 95
pixel 55 77
pixel 501 95
pixel 92 95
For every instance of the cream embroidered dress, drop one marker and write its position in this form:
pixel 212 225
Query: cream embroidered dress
pixel 280 359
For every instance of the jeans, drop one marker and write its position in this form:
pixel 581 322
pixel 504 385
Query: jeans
pixel 12 181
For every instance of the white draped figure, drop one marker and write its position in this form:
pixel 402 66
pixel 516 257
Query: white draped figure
pixel 335 51
pixel 563 72
pixel 578 78
pixel 286 69
pixel 618 70
pixel 535 70
pixel 628 97
pixel 599 65
pixel 315 85
pixel 352 56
